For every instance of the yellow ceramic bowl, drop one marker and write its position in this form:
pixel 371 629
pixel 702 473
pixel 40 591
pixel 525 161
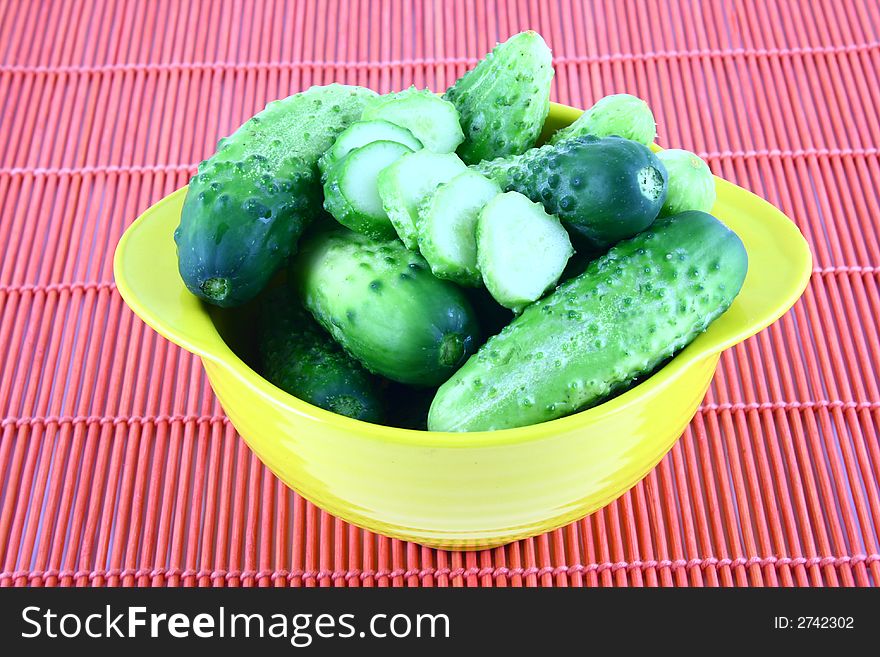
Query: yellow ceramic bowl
pixel 465 490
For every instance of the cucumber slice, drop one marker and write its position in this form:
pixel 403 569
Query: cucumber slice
pixel 363 133
pixel 432 120
pixel 447 224
pixel 521 250
pixel 351 190
pixel 404 185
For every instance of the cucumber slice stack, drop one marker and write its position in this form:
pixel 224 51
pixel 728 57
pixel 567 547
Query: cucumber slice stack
pixel 447 224
pixel 363 133
pixel 350 191
pixel 405 184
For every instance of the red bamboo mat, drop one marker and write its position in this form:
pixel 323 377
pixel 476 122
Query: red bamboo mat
pixel 117 466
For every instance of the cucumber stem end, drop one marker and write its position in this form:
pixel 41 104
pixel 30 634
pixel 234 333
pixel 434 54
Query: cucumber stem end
pixel 451 350
pixel 215 289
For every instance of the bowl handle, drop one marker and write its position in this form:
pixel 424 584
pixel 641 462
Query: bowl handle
pixel 145 269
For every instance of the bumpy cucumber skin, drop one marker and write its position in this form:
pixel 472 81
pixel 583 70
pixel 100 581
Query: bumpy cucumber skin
pixel 382 304
pixel 504 100
pixel 249 202
pixel 620 114
pixel 593 185
pixel 299 357
pixel 632 309
pixel 691 184
pixel 338 205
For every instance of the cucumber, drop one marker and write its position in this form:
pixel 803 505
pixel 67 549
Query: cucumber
pixel 521 250
pixel 605 189
pixel 351 194
pixel 620 114
pixel 299 357
pixel 249 203
pixel 691 184
pixel 405 184
pixel 363 133
pixel 383 305
pixel 631 310
pixel 447 221
pixel 504 100
pixel 432 120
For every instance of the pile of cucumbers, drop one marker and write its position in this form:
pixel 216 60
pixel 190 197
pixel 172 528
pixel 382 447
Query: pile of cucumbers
pixel 428 247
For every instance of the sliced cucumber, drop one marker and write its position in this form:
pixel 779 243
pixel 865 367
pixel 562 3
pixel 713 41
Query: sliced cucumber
pixel 432 120
pixel 447 224
pixel 363 133
pixel 521 250
pixel 404 185
pixel 351 193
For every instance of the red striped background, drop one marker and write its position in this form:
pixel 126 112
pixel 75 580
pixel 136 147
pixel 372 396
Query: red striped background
pixel 117 466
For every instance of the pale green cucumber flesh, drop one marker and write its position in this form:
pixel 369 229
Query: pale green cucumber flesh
pixel 365 132
pixel 405 184
pixel 351 193
pixel 432 120
pixel 521 250
pixel 362 133
pixel 447 221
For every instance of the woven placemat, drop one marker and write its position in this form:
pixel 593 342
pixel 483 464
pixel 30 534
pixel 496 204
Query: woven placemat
pixel 117 466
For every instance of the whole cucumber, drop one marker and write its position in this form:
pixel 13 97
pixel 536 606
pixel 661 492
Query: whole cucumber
pixel 623 115
pixel 249 202
pixel 504 100
pixel 632 309
pixel 605 189
pixel 299 357
pixel 380 301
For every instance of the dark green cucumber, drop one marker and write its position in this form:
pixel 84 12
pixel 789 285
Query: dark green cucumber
pixel 249 203
pixel 605 189
pixel 504 100
pixel 382 304
pixel 632 309
pixel 299 357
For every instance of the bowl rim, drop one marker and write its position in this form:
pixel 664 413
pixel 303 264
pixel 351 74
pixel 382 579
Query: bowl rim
pixel 218 353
